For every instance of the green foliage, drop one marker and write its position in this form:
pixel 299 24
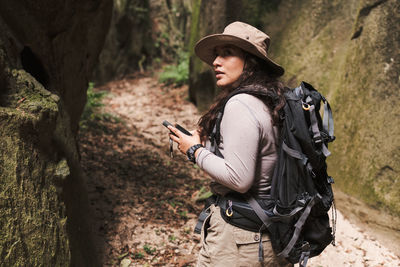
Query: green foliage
pixel 138 255
pixel 92 113
pixel 148 249
pixel 175 203
pixel 183 214
pixel 123 255
pixel 203 194
pixel 172 238
pixel 176 74
pixel 187 230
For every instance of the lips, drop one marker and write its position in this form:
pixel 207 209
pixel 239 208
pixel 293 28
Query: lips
pixel 218 74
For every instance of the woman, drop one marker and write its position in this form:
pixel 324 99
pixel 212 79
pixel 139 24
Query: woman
pixel 243 159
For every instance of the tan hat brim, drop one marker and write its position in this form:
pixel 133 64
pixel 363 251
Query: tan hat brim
pixel 204 49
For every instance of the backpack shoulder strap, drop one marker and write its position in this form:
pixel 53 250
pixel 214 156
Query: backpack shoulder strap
pixel 215 136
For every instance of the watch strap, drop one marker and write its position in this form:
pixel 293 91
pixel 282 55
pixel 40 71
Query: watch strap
pixel 190 152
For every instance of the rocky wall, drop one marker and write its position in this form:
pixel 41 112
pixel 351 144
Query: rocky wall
pixel 350 50
pixel 47 52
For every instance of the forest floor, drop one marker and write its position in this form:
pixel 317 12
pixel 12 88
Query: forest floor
pixel 145 204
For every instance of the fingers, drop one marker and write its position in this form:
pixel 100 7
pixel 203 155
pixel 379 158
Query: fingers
pixel 175 131
pixel 184 141
pixel 174 138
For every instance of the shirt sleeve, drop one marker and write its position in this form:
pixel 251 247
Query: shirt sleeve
pixel 240 133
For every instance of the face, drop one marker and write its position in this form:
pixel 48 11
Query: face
pixel 228 65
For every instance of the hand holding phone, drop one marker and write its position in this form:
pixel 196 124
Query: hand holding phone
pixel 177 126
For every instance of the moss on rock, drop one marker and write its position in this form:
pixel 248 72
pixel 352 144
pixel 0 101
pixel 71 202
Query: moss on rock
pixel 46 55
pixel 368 156
pixel 321 42
pixel 33 230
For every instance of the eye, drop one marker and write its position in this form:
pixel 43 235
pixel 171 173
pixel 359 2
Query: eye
pixel 227 52
pixel 223 52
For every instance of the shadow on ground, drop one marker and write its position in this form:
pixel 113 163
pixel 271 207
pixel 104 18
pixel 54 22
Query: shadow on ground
pixel 131 185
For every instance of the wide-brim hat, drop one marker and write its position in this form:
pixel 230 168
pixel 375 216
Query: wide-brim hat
pixel 242 35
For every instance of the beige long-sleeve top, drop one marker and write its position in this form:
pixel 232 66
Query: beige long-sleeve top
pixel 247 145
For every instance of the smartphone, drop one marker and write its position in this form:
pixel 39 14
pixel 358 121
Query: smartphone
pixel 177 126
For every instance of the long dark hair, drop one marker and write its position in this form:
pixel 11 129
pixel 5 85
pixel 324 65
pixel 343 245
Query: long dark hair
pixel 257 78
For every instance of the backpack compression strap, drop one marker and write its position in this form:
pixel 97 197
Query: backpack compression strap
pixel 298 155
pixel 298 227
pixel 267 222
pixel 328 119
pixel 314 126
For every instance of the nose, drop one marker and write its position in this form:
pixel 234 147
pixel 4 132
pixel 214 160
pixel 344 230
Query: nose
pixel 217 62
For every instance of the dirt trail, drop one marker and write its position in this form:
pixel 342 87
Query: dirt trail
pixel 144 203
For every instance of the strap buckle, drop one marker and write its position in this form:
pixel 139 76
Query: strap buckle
pixel 318 139
pixel 306 106
pixel 229 210
pixel 306 246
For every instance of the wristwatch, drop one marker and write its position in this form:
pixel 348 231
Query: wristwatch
pixel 190 152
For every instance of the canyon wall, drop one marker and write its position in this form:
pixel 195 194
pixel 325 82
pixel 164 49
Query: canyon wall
pixel 48 50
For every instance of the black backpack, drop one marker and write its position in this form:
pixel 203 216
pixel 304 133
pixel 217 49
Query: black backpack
pixel 296 217
pixel 300 178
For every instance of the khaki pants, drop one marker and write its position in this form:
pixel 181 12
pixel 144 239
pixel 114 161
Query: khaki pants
pixel 224 245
